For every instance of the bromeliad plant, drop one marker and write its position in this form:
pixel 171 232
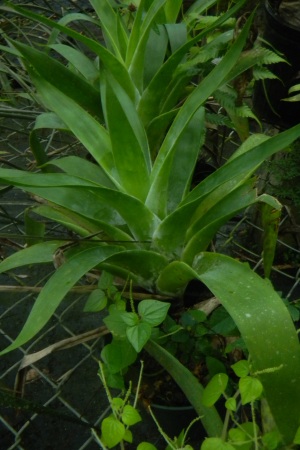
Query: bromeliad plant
pixel 136 113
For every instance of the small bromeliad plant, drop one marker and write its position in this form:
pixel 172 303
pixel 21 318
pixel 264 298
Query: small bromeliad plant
pixel 134 109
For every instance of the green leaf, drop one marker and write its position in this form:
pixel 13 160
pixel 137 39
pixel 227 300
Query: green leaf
pixel 117 404
pixel 79 167
pixel 34 229
pixel 130 415
pixel 153 312
pixel 150 104
pixel 270 222
pixel 56 74
pixel 214 389
pixel 146 446
pixel 214 366
pixel 240 438
pixel 192 104
pixel 36 254
pixel 56 288
pixel 115 323
pixel 216 444
pixel 138 335
pixel 172 183
pixel 142 26
pixel 231 404
pixel 88 199
pixel 272 439
pixel 190 385
pixel 112 431
pixel 130 318
pixel 128 437
pixel 118 355
pixel 128 140
pixel 109 24
pixel 79 62
pixel 250 389
pixel 88 130
pixel 113 64
pixel 96 301
pixel 263 321
pixel 142 265
pixel 241 368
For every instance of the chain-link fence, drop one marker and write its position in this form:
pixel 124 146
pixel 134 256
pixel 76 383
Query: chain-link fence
pixel 53 402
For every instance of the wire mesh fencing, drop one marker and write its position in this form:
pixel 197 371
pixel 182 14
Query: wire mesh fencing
pixel 52 402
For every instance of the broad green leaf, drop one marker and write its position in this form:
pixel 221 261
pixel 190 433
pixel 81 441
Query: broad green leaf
pixel 117 404
pixel 272 440
pixel 231 404
pixel 128 140
pixel 146 446
pixel 130 415
pixel 138 335
pixel 243 437
pixel 63 21
pixel 177 34
pixel 155 52
pixel 240 439
pixel 173 183
pixel 82 168
pixel 153 312
pixel 142 265
pixel 246 163
pixel 36 254
pixel 55 73
pixel 116 67
pixel 81 225
pixel 44 120
pixel 128 437
pixel 169 235
pixel 149 105
pixel 79 62
pixel 142 26
pixel 213 212
pixel 241 368
pixel 115 323
pixel 297 437
pixel 112 431
pixel 88 130
pixel 250 389
pixel 196 99
pixel 56 288
pixel 270 218
pixel 172 9
pixel 88 200
pixel 118 355
pixel 214 389
pixel 216 444
pixel 263 321
pixel 129 318
pixel 34 229
pixel 109 24
pixel 96 301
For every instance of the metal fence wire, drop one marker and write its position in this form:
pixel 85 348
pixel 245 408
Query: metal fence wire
pixel 60 396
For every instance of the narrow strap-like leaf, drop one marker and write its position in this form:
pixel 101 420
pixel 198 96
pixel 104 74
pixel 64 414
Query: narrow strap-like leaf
pixel 110 25
pixel 128 141
pixel 108 59
pixel 50 297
